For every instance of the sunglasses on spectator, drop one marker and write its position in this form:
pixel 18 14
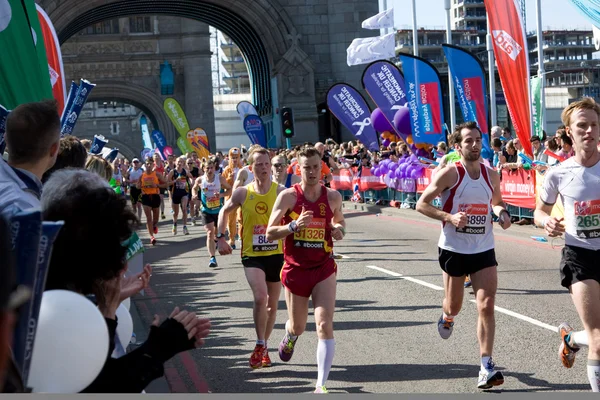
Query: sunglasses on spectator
pixel 278 165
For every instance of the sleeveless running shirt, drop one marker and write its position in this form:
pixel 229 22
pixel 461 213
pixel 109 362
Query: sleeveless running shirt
pixel 181 182
pixel 579 190
pixel 474 197
pixel 135 175
pixel 210 195
pixel 147 181
pixel 256 211
pixel 249 177
pixel 313 245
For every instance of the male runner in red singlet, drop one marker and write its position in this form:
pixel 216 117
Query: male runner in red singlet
pixel 469 190
pixel 308 216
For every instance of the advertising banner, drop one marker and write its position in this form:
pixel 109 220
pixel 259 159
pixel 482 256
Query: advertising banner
pixel 351 109
pixel 425 101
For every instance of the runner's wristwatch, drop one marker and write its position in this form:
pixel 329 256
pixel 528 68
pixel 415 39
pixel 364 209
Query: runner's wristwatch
pixel 219 236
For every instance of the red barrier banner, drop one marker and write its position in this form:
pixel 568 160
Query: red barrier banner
pixel 369 181
pixel 342 180
pixel 424 181
pixel 518 188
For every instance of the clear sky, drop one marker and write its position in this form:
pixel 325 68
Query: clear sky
pixel 556 14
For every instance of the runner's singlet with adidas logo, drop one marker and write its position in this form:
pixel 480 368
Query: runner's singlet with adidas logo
pixel 579 189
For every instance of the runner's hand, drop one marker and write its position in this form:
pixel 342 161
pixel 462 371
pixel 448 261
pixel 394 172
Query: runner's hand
pixel 504 220
pixel 305 219
pixel 224 247
pixel 554 226
pixel 459 220
pixel 337 234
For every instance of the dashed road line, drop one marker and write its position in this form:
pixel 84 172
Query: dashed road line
pixel 436 287
pixel 408 278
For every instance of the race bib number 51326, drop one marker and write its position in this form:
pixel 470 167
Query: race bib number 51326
pixel 313 236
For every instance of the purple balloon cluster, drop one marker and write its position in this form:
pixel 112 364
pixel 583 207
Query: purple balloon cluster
pixel 406 167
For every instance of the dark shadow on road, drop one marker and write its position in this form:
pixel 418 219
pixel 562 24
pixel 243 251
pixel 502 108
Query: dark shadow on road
pixel 530 291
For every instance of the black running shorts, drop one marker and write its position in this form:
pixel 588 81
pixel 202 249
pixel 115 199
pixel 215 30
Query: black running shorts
pixel 210 218
pixel 578 264
pixel 458 264
pixel 151 200
pixel 270 265
pixel 178 195
pixel 136 195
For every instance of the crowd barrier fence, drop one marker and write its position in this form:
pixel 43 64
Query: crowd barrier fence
pixel 518 189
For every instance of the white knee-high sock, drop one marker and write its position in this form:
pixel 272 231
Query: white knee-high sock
pixel 325 353
pixel 579 338
pixel 593 371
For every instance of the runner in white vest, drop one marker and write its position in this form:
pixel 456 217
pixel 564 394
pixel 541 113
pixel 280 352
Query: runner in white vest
pixel 470 191
pixel 577 181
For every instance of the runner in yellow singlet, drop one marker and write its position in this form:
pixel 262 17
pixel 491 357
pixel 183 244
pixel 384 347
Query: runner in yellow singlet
pixel 262 259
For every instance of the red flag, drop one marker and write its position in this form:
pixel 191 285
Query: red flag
pixel 510 49
pixel 54 55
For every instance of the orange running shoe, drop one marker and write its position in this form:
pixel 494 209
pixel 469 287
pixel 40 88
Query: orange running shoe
pixel 266 360
pixel 566 352
pixel 256 358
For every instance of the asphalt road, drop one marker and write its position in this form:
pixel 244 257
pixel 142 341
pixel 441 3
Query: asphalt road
pixel 388 303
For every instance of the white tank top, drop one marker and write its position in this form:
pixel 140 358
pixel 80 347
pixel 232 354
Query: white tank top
pixel 474 197
pixel 209 194
pixel 135 175
pixel 579 190
pixel 250 176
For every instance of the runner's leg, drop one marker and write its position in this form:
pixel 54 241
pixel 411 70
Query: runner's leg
pixel 256 280
pixel 149 221
pixel 184 204
pixel 485 284
pixel 274 292
pixel 323 296
pixel 586 297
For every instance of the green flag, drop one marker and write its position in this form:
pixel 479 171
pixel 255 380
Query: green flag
pixel 537 112
pixel 24 75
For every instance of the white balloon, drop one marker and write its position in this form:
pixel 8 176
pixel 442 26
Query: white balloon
pixel 127 303
pixel 71 344
pixel 5 14
pixel 124 326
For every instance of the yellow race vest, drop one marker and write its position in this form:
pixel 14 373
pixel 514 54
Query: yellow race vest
pixel 256 211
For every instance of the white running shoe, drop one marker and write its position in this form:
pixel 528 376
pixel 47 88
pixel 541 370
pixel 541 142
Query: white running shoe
pixel 490 377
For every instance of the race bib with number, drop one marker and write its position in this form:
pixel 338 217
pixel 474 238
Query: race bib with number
pixel 313 236
pixel 181 184
pixel 148 182
pixel 213 202
pixel 259 240
pixel 477 218
pixel 587 218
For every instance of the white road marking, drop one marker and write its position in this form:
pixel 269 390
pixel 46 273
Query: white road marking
pixel 524 318
pixel 385 271
pixel 435 287
pixel 408 278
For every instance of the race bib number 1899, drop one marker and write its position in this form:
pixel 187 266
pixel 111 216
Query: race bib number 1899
pixel 477 217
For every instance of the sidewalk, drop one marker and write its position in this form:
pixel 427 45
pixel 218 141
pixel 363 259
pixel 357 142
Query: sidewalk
pixel 141 331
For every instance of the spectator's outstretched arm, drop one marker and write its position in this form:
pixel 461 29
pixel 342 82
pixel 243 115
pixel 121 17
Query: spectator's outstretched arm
pixel 134 371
